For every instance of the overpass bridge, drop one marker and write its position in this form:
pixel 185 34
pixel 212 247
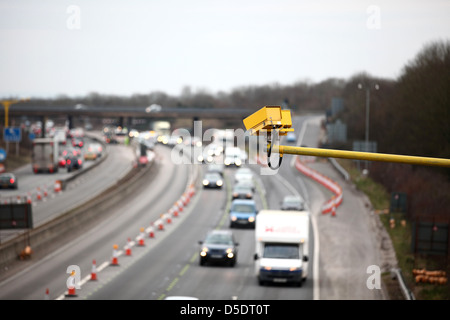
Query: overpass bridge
pixel 124 111
pixel 123 114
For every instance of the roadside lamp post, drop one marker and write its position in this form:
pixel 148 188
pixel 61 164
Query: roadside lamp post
pixel 367 88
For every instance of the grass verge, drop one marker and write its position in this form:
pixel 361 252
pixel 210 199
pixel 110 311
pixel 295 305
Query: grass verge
pixel 399 229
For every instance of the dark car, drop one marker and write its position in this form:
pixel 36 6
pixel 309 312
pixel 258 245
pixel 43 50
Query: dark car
pixel 73 163
pixel 212 180
pixel 242 192
pixel 219 246
pixel 293 203
pixel 8 180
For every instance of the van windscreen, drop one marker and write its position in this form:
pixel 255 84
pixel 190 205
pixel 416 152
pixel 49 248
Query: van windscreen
pixel 281 251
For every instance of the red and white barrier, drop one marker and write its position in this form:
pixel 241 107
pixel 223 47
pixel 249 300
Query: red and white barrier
pixel 331 185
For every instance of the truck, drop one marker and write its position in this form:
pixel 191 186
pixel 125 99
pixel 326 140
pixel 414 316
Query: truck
pixel 44 155
pixel 282 241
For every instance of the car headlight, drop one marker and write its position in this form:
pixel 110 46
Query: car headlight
pixel 227 162
pixel 230 253
pixel 251 219
pixel 205 182
pixel 204 252
pixel 219 183
pixel 294 269
pixel 238 162
pixel 200 158
pixel 233 218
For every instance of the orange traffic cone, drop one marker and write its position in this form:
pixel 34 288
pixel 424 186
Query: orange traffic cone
pixel 141 238
pixel 93 271
pixel 115 259
pixel 180 206
pixel 185 200
pixel 47 294
pixel 151 234
pixel 175 211
pixel 168 219
pixel 128 250
pixel 71 286
pixel 57 186
pixel 71 292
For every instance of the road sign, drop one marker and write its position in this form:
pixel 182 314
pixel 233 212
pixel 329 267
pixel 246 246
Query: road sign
pixel 12 134
pixel 16 216
pixel 2 155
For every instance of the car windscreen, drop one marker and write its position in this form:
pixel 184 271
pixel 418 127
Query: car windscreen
pixel 212 176
pixel 219 239
pixel 281 251
pixel 242 207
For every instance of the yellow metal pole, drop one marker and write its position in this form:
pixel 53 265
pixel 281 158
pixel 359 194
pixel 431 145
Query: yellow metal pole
pixel 6 104
pixel 356 155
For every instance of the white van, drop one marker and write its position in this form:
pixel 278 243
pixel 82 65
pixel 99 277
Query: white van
pixel 282 246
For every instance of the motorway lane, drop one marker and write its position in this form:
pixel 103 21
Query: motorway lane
pixel 166 182
pixel 29 182
pixel 85 186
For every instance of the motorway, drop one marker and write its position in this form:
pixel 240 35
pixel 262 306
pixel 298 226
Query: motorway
pixel 167 265
pixel 80 187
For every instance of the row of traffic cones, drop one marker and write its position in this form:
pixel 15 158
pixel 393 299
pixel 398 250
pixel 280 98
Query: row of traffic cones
pixel 42 193
pixel 167 217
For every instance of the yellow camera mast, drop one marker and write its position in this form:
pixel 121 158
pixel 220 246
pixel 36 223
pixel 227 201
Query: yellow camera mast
pixel 273 118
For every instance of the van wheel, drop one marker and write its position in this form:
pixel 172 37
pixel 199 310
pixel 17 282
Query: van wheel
pixel 261 282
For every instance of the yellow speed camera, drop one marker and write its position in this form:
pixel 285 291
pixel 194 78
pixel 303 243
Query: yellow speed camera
pixel 269 118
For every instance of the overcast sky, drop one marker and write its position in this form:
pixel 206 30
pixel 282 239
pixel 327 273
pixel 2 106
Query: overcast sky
pixel 123 47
